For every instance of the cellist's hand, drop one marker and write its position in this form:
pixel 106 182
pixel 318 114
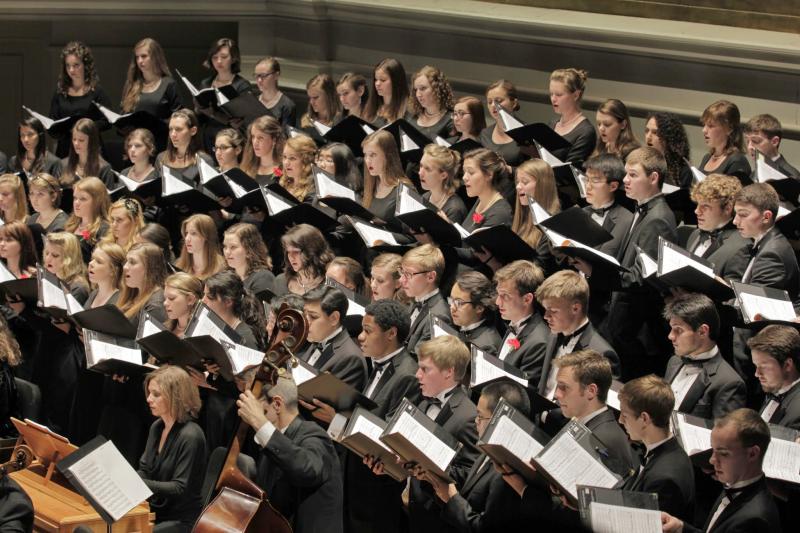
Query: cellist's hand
pixel 251 410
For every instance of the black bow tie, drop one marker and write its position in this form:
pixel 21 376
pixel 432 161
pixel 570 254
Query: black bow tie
pixel 691 362
pixel 436 401
pixel 731 493
pixel 753 250
pixel 713 235
pixel 601 211
pixel 642 209
pixel 777 397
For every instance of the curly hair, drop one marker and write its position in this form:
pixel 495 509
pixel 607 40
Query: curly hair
pixel 676 143
pixel 306 149
pixel 84 53
pixel 440 86
pixel 314 248
pixel 9 348
pixel 717 187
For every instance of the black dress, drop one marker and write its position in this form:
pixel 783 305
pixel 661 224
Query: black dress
pixel 62 106
pixel 152 211
pixel 509 151
pixel 49 164
pixel 211 126
pixel 160 103
pixel 442 128
pixel 175 474
pixel 285 111
pixel 583 138
pixel 454 207
pixel 735 164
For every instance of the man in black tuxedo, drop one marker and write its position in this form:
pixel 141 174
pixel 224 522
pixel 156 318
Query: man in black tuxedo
pixel 16 508
pixel 738 442
pixel 565 298
pixel 775 352
pixel 420 275
pixel 373 502
pixel 484 502
pixel 634 325
pixel 604 175
pixel 472 308
pixel 763 134
pixel 525 343
pixel 704 384
pixel 646 405
pixel 298 466
pixel 330 347
pixel 442 364
pixel 716 239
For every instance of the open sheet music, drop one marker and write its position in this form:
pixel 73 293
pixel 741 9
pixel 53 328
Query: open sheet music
pixel 113 355
pixel 206 322
pixel 275 203
pixel 485 368
pixel 509 439
pixel 406 203
pixel 769 303
pixel 648 265
pixel 241 357
pixel 362 435
pixel 100 472
pixel 693 433
pixel 327 186
pixel 618 511
pixel 372 235
pixel 440 328
pixel 672 257
pixel 171 183
pixel 782 460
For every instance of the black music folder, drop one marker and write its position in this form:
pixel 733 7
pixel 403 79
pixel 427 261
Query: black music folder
pixel 575 223
pixel 352 131
pixel 106 319
pixel 175 190
pixel 137 119
pixel 678 267
pixel 12 287
pixel 530 134
pixel 111 355
pixel 410 141
pixel 505 245
pixel 362 435
pixel 618 511
pixel 333 391
pixel 55 128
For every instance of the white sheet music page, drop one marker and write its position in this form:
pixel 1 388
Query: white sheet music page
pixel 207 172
pixel 47 122
pixel 649 265
pixel 486 371
pixel 766 173
pixel 5 273
pixel 695 438
pixel 321 128
pixel 241 357
pixel 110 115
pixel 130 184
pixel 53 295
pixel 276 204
pixel 698 175
pixel 301 374
pixel 172 184
pixel 441 142
pixel 461 231
pixel 406 143
pixel 438 452
pixel 408 204
pixel 539 213
pixel 205 326
pixel 328 187
pixel 673 260
pixel 369 429
pixel 367 129
pixel 782 460
pixel 112 482
pixel 102 350
pixel 150 327
pixel 607 518
pixel 238 190
pixel 514 439
pixel 549 158
pixel 768 308
pixel 666 188
pixel 438 331
pixel 73 305
pixel 508 120
pixel 570 464
pixel 371 234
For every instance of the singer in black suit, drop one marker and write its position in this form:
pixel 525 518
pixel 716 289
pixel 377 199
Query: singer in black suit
pixel 604 175
pixel 473 309
pixel 775 352
pixel 331 349
pixel 645 408
pixel 298 466
pixel 704 383
pixel 746 504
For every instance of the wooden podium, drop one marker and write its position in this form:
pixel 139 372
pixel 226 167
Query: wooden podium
pixel 57 507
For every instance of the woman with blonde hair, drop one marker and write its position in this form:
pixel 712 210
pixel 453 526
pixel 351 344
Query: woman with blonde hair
pixel 10 358
pixel 144 273
pixel 44 193
pixel 432 103
pixel 263 149
pixel 299 153
pixel 383 171
pixel 306 255
pixel 126 221
pixel 567 86
pixel 149 86
pixel 173 464
pixel 200 255
pixel 105 274
pixel 62 257
pixel 90 202
pixel 384 280
pixel 182 293
pixel 13 204
pixel 437 175
pixel 267 72
pixel 84 159
pixel 246 253
pixel 323 103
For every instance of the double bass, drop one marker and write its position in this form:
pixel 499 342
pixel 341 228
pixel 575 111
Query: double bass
pixel 240 505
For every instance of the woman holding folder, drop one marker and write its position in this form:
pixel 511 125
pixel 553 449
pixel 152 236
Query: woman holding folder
pixel 388 101
pixel 323 103
pixel 501 93
pixel 200 255
pixel 383 172
pixel 437 176
pixel 84 159
pixel 263 149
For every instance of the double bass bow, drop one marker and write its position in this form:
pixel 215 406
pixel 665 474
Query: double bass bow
pixel 240 505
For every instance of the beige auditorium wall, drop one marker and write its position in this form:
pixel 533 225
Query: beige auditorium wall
pixel 650 64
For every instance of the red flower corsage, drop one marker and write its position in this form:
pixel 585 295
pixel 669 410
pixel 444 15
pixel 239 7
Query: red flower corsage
pixel 514 343
pixel 477 218
pixel 86 235
pixel 277 172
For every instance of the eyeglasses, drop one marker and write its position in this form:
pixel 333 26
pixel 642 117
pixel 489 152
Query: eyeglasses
pixel 406 274
pixel 460 114
pixel 597 181
pixel 457 302
pixel 263 76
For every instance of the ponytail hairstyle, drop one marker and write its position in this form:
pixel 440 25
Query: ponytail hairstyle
pixel 546 195
pixel 226 285
pixel 356 82
pixel 87 127
pixel 449 162
pixel 41 145
pixel 158 235
pixel 626 142
pixel 132 300
pixel 194 143
pixel 268 125
pixel 511 92
pixel 20 209
pixel 235 138
pixel 100 201
pixel 187 285
pixel 574 79
pixel 490 163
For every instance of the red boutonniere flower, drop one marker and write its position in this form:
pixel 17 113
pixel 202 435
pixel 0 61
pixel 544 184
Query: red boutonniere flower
pixel 477 218
pixel 514 343
pixel 86 235
pixel 277 172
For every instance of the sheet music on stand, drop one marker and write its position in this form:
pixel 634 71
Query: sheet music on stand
pixel 415 437
pixel 618 511
pixel 769 303
pixel 512 439
pixel 575 456
pixel 102 475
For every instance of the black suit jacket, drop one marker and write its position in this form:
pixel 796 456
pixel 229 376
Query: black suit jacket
pixel 617 222
pixel 533 338
pixel 752 511
pixel 729 252
pixel 457 417
pixel 342 358
pixel 775 265
pixel 484 504
pixel 421 327
pixel 606 428
pixel 668 473
pixel 658 221
pixel 299 470
pixel 717 391
pixel 485 337
pixel 16 508
pixel 788 412
pixel 590 339
pixel 374 501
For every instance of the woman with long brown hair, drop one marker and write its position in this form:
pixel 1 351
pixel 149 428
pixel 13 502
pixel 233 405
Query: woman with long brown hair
pixel 32 155
pixel 323 103
pixel 17 249
pixel 388 101
pixel 263 149
pixel 84 158
pixel 614 133
pixel 143 278
pixel 432 103
pixel 200 255
pixel 722 131
pixel 383 172
pixel 182 293
pixel 245 252
pixel 306 255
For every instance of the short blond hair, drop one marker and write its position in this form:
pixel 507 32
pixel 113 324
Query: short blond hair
pixel 717 187
pixel 651 160
pixel 427 257
pixel 446 352
pixel 567 285
pixel 526 275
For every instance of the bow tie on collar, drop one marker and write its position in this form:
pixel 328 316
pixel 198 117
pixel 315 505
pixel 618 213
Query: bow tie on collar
pixel 731 493
pixel 642 209
pixel 691 362
pixel 601 211
pixel 380 367
pixel 437 401
pixel 713 235
pixel 776 397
